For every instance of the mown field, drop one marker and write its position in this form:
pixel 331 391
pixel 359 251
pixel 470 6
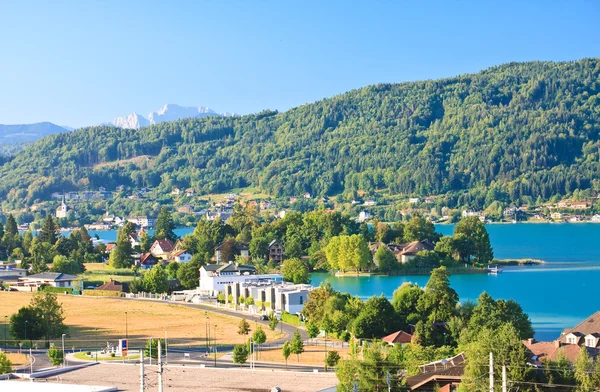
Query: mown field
pixel 94 321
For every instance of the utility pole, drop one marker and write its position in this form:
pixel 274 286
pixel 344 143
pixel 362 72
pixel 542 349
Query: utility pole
pixel 160 368
pixel 491 372
pixel 504 386
pixel 142 386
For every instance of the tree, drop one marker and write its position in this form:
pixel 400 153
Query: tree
pixel 376 319
pixel 295 270
pixel 273 321
pixel 297 345
pixel 55 355
pixel 348 252
pixel 312 329
pixel 62 264
pixel 51 312
pixel 405 301
pixel 587 372
pixel 26 324
pixel 286 351
pixel 439 299
pixel 332 359
pixel 243 327
pixel 507 349
pixel 152 347
pixel 476 240
pixel 259 336
pixel 419 229
pixel 156 280
pixel 145 241
pixel 189 274
pixel 121 256
pixel 10 233
pixel 48 232
pixel 164 227
pixel 41 255
pixel 385 259
pixel 489 313
pixel 172 268
pixel 5 364
pixel 240 354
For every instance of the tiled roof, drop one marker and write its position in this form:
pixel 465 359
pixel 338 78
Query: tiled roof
pixel 551 350
pixel 178 253
pixel 398 337
pixel 588 326
pixel 113 285
pixel 443 370
pixel 165 245
pixel 148 258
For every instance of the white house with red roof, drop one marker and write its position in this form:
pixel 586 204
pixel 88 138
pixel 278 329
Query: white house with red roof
pixel 162 248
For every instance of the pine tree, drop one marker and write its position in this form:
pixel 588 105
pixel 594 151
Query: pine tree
pixel 297 345
pixel 120 257
pixel 244 327
pixel 164 228
pixel 48 231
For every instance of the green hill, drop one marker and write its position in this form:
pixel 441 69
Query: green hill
pixel 513 131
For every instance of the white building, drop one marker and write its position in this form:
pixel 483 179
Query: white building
pixel 275 296
pixel 214 277
pixel 414 200
pixel 370 202
pixel 364 216
pixel 142 221
pixel 62 211
pixel 53 279
pixel 467 213
pixel 181 256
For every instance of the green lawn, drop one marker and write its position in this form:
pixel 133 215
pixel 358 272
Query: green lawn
pixel 83 356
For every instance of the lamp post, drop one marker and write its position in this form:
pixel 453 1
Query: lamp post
pixel 126 329
pixel 5 329
pixel 206 329
pixel 208 342
pixel 151 341
pixel 166 346
pixel 215 345
pixel 26 323
pixel 63 348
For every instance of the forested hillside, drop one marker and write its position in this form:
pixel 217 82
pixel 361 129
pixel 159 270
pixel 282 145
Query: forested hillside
pixel 520 129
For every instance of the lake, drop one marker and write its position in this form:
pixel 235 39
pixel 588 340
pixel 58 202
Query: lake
pixel 556 295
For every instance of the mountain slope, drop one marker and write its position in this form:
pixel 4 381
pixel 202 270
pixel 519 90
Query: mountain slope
pixel 507 133
pixel 10 134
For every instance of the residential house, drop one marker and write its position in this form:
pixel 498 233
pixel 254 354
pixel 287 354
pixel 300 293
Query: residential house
pixel 586 335
pixel 293 199
pixel 113 285
pixel 580 205
pixel 556 215
pixel 161 248
pixel 364 216
pixel 563 204
pixel 142 221
pixel 595 218
pixel 429 200
pixel 186 209
pixel 399 337
pixel 189 193
pixel 11 272
pixel 307 195
pixel 410 250
pixel 414 200
pixel 52 279
pixel 275 251
pixel 444 375
pixel 223 214
pixel 148 260
pixel 134 239
pixel 467 213
pixel 110 247
pixel 370 202
pixel 176 191
pixel 266 204
pixel 282 214
pixel 181 256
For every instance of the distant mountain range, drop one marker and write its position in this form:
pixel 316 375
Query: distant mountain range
pixel 27 133
pixel 169 112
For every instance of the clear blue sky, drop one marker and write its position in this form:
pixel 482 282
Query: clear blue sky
pixel 84 62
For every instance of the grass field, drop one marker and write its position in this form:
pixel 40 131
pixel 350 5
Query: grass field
pixel 17 359
pixel 98 273
pixel 83 356
pixel 311 355
pixel 94 321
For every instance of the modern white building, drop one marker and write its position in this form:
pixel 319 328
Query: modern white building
pixel 274 296
pixel 53 279
pixel 214 277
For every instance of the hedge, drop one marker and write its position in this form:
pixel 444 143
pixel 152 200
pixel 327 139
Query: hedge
pixel 59 290
pixel 290 318
pixel 102 293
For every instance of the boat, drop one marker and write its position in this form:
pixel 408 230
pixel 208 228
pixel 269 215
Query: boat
pixel 494 270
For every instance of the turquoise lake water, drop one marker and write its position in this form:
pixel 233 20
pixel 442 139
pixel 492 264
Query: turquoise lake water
pixel 556 295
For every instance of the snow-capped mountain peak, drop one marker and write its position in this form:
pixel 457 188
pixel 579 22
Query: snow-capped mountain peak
pixel 169 112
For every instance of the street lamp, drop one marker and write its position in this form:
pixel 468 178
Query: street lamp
pixel 5 329
pixel 63 347
pixel 215 345
pixel 126 330
pixel 206 330
pixel 166 347
pixel 207 334
pixel 151 341
pixel 26 322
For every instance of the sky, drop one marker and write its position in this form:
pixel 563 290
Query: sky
pixel 82 62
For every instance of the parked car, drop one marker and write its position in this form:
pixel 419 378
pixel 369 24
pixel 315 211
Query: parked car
pixel 263 317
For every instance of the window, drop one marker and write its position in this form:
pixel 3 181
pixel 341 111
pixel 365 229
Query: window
pixel 590 342
pixel 571 340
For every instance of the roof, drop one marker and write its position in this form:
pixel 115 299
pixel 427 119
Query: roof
pixel 416 246
pixel 450 369
pixel 588 326
pixel 166 245
pixel 148 258
pixel 238 245
pixel 113 285
pixel 274 242
pixel 398 337
pixel 110 247
pixel 551 350
pixel 229 267
pixel 178 253
pixel 52 276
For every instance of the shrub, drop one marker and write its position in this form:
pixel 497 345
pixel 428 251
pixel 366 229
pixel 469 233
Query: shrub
pixel 101 293
pixel 112 355
pixel 290 318
pixel 88 353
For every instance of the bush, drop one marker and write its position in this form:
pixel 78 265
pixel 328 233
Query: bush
pixel 290 318
pixel 332 358
pixel 112 355
pixel 221 298
pixel 88 353
pixel 101 293
pixel 59 290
